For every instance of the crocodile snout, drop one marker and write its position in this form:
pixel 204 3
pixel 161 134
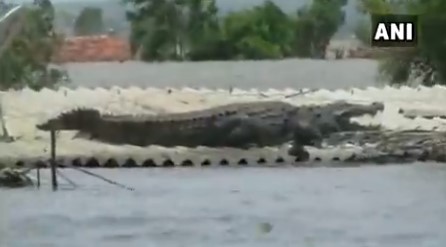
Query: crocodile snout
pixel 359 110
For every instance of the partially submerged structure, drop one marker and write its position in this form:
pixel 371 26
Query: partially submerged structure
pixel 170 111
pixel 164 127
pixel 13 178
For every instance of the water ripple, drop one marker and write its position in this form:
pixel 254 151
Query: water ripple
pixel 371 206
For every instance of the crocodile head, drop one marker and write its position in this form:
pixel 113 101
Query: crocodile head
pixel 336 117
pixel 73 120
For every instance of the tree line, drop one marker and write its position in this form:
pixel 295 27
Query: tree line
pixel 174 30
pixel 194 30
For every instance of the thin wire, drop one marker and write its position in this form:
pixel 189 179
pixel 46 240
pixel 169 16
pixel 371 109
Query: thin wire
pixel 103 178
pixel 67 179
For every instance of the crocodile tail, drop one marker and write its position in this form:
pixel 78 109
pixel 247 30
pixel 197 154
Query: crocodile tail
pixel 76 119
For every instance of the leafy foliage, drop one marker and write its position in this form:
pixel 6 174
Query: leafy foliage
pixel 158 29
pixel 262 32
pixel 191 29
pixel 26 62
pixel 89 22
pixel 428 60
pixel 316 25
pixel 363 31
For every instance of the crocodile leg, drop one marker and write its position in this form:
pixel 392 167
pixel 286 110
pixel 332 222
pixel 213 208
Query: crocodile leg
pixel 240 137
pixel 248 133
pixel 304 136
pixel 307 135
pixel 299 152
pixel 240 131
pixel 215 134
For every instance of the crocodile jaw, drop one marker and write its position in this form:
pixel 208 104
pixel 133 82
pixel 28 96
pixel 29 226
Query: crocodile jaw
pixel 354 110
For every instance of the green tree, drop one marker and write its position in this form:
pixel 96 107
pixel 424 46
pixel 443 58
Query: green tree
pixel 27 60
pixel 426 61
pixel 203 31
pixel 89 22
pixel 363 31
pixel 259 33
pixel 201 19
pixel 191 29
pixel 174 29
pixel 315 26
pixel 158 28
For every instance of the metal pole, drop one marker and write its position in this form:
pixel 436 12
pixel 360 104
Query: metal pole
pixel 53 160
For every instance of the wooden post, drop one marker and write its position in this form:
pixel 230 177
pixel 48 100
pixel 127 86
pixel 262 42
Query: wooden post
pixel 38 175
pixel 53 160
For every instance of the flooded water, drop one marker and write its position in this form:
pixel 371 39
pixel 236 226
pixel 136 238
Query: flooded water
pixel 294 73
pixel 387 206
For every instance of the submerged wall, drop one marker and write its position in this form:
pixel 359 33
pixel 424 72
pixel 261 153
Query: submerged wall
pixel 25 108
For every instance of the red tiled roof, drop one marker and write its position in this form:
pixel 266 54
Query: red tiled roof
pixel 93 49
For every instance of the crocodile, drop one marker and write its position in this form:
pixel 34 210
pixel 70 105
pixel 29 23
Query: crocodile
pixel 236 125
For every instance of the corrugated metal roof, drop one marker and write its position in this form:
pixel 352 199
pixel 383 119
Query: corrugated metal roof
pixel 25 108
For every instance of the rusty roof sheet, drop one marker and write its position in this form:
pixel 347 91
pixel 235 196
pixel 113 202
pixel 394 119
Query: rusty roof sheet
pixel 93 49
